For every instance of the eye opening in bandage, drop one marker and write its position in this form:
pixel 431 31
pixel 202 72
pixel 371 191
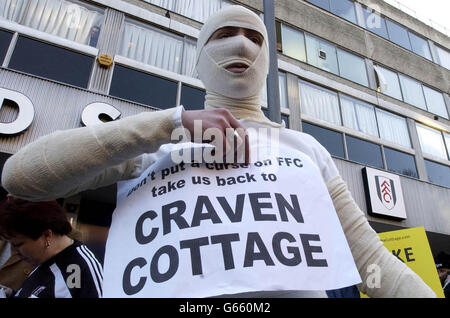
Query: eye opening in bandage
pixel 230 31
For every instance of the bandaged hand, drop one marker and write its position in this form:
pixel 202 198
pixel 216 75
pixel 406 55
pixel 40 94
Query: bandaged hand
pixel 220 128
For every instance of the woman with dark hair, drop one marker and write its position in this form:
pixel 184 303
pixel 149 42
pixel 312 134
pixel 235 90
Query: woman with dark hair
pixel 65 268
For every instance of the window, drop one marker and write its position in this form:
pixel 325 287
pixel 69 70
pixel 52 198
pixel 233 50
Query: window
pixel 319 103
pixel 283 89
pixel 444 57
pixel 152 47
pixel 188 62
pixel 324 4
pixel 284 117
pixel 447 142
pixel 388 82
pixel 41 59
pixel 331 140
pixel 199 10
pixel 431 141
pixel 398 34
pixel 71 20
pixel 192 98
pixel 293 43
pixel 393 128
pixel 321 54
pixel 359 116
pixel 345 9
pixel 412 92
pixel 437 173
pixel 364 152
pixel 5 40
pixel 143 88
pixel 375 23
pixel 435 102
pixel 420 46
pixel 352 67
pixel 400 162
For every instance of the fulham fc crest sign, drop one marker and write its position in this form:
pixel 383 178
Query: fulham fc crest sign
pixel 384 194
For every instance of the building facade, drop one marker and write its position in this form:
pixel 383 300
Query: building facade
pixel 365 79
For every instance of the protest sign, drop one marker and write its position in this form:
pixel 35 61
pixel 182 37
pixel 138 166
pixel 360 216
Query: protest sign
pixel 412 248
pixel 200 230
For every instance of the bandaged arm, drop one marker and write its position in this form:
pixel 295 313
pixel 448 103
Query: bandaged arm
pixel 396 279
pixel 70 161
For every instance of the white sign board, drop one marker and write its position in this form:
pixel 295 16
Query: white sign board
pixel 200 230
pixel 384 194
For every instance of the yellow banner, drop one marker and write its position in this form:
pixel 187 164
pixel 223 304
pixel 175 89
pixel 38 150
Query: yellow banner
pixel 412 248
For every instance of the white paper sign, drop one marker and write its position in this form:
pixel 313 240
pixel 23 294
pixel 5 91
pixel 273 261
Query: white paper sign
pixel 204 230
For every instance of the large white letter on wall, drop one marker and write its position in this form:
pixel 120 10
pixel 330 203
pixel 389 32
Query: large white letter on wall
pixel 92 112
pixel 26 112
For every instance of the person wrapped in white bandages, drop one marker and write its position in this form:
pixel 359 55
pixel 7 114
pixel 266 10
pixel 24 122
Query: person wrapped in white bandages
pixel 233 63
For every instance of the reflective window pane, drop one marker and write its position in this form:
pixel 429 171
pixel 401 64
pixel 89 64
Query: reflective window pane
pixel 393 128
pixel 321 54
pixel 151 46
pixel 444 57
pixel 412 92
pixel 293 43
pixel 319 103
pixel 375 23
pixel 398 34
pixel 188 63
pixel 352 67
pixel 359 116
pixel 435 102
pixel 431 141
pixel 388 82
pixel 192 98
pixel 284 117
pixel 437 173
pixel 5 40
pixel 143 88
pixel 73 21
pixel 331 140
pixel 199 10
pixel 345 9
pixel 53 62
pixel 283 89
pixel 447 142
pixel 400 162
pixel 364 152
pixel 324 4
pixel 420 46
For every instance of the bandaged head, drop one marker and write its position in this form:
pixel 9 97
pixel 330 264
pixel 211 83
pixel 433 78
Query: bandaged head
pixel 214 56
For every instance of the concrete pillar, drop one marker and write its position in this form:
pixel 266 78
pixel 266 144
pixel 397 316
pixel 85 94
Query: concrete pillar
pixel 108 43
pixel 293 99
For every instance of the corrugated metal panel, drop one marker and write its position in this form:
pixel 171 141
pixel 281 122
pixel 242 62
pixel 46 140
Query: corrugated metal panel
pixel 426 204
pixel 107 44
pixel 57 107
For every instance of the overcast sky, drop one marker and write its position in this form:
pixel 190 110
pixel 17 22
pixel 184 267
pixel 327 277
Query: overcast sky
pixel 437 10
